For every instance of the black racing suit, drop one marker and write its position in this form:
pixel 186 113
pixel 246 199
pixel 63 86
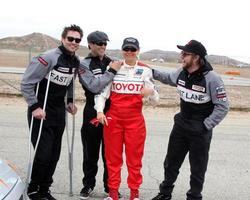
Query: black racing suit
pixel 48 151
pixel 92 137
pixel 203 105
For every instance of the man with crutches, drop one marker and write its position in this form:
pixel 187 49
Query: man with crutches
pixel 54 69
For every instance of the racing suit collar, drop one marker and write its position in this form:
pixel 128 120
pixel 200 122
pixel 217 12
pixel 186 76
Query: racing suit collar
pixel 203 69
pixel 127 65
pixel 90 55
pixel 65 51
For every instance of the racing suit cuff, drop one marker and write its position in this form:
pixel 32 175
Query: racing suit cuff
pixel 69 100
pixel 35 106
pixel 153 71
pixel 112 71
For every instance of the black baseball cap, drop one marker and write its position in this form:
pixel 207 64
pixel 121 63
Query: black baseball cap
pixel 193 46
pixel 97 36
pixel 130 42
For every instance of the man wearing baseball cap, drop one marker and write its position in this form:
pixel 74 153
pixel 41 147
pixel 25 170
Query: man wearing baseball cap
pixel 92 136
pixel 203 105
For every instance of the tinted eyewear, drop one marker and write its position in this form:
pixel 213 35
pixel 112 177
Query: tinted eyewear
pixel 100 43
pixel 131 49
pixel 71 39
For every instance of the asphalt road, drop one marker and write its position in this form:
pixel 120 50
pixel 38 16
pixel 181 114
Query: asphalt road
pixel 227 178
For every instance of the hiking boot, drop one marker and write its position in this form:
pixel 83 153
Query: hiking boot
pixel 106 191
pixel 134 195
pixel 47 195
pixel 85 192
pixel 161 196
pixel 35 195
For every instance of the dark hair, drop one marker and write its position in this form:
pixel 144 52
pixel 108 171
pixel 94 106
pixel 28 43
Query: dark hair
pixel 201 61
pixel 72 27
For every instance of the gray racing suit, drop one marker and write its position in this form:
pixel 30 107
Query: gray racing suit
pixel 203 105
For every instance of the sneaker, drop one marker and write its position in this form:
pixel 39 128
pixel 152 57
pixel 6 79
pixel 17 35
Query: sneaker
pixel 85 192
pixel 47 196
pixel 106 191
pixel 34 195
pixel 134 195
pixel 113 194
pixel 161 196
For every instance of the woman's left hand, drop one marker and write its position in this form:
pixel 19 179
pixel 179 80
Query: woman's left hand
pixel 147 91
pixel 102 118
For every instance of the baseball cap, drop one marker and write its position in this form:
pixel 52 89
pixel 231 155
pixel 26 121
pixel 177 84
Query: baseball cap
pixel 193 46
pixel 130 42
pixel 97 36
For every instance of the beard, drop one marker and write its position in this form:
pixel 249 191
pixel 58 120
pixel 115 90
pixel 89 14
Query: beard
pixel 186 65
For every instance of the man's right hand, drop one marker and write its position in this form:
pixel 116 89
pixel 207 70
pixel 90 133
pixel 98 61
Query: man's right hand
pixel 39 114
pixel 116 65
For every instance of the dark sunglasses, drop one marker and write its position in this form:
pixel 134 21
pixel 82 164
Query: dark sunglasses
pixel 71 39
pixel 183 53
pixel 100 43
pixel 131 49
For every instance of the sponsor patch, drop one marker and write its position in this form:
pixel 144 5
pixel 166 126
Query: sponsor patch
pixel 63 69
pixel 42 61
pixel 138 71
pixel 221 93
pixel 132 87
pixel 181 82
pixel 198 88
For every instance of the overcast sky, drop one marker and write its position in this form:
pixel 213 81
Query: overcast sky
pixel 221 25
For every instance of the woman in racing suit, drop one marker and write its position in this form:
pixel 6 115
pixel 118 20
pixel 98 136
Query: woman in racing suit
pixel 124 121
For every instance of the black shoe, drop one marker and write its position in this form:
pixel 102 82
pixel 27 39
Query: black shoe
pixel 34 195
pixel 106 191
pixel 161 196
pixel 47 196
pixel 85 192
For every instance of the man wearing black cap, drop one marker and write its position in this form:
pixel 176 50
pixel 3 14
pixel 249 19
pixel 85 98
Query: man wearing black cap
pixel 203 105
pixel 92 136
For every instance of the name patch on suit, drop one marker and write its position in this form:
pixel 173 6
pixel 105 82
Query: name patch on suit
pixel 60 78
pixel 193 96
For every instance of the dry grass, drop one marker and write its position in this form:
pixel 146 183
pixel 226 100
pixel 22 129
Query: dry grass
pixel 238 96
pixel 220 69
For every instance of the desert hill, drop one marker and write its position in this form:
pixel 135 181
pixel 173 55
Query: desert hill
pixel 38 42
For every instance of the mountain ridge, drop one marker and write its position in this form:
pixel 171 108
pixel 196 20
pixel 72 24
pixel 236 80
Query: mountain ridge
pixel 39 42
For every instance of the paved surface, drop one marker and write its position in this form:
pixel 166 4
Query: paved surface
pixel 228 171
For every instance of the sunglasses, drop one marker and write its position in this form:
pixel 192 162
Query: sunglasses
pixel 131 49
pixel 71 39
pixel 100 43
pixel 186 54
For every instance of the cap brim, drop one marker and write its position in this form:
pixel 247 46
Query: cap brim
pixel 184 48
pixel 129 45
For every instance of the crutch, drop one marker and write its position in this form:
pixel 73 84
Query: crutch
pixel 71 145
pixel 31 160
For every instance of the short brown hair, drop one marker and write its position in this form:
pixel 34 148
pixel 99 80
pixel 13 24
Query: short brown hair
pixel 72 27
